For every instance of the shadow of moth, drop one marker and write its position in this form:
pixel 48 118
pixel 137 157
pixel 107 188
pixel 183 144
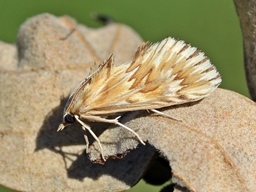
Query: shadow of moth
pixel 166 73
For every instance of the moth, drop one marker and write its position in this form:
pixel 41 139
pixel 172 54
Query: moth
pixel 163 74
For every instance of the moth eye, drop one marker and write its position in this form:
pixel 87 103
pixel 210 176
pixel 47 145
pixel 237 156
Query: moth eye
pixel 69 118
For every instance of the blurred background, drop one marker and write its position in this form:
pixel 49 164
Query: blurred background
pixel 212 26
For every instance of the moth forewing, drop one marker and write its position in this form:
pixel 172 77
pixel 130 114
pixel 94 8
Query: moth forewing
pixel 167 73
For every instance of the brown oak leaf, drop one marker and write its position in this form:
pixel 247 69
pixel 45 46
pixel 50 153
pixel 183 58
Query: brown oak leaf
pixel 212 148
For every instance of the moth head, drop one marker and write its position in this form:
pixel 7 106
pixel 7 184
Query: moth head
pixel 68 119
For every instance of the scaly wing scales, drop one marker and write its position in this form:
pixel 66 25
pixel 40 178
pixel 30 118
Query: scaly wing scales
pixel 163 74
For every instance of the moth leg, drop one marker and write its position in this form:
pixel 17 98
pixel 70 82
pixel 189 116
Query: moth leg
pixel 114 121
pixel 86 127
pixel 86 141
pixel 163 114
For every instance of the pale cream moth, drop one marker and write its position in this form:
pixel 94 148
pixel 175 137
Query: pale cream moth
pixel 163 74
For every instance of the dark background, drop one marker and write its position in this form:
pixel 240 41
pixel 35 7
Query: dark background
pixel 211 25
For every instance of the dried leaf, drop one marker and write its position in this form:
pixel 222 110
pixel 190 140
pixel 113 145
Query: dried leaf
pixel 211 149
pixel 50 64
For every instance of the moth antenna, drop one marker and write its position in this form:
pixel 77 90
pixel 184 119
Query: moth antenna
pixel 84 126
pixel 164 115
